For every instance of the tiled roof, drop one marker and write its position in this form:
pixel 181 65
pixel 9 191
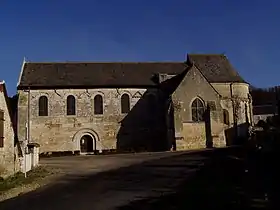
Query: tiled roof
pixel 80 74
pixel 215 67
pixel 95 74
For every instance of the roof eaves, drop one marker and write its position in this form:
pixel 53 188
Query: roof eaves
pixel 106 62
pixel 21 71
pixel 208 81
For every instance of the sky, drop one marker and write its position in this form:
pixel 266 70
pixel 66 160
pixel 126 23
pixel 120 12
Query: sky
pixel 247 32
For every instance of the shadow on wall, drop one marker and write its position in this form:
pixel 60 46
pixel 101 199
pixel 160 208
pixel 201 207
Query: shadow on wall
pixel 149 126
pixel 144 128
pixel 237 135
pixel 208 130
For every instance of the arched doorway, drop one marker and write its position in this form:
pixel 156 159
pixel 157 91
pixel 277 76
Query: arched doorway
pixel 87 144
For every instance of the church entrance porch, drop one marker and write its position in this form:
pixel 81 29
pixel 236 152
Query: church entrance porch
pixel 87 144
pixel 86 141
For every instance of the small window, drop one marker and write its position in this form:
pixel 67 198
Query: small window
pixel 71 105
pixel 43 106
pixel 1 128
pixel 226 116
pixel 125 103
pixel 98 104
pixel 197 110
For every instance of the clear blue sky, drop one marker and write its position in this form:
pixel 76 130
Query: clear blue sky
pixel 247 32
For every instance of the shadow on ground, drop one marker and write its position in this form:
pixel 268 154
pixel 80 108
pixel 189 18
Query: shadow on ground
pixel 222 183
pixel 106 190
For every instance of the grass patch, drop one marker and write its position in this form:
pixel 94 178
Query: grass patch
pixel 18 179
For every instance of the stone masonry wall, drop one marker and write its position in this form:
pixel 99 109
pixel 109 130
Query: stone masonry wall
pixel 59 132
pixel 243 107
pixel 8 162
pixel 143 127
pixel 192 135
pixel 240 92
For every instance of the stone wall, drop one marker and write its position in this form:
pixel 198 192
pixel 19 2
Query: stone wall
pixel 148 126
pixel 193 135
pixel 9 163
pixel 240 91
pixel 112 129
pixel 236 95
pixel 193 86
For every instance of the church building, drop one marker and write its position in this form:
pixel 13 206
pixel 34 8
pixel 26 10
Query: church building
pixel 89 107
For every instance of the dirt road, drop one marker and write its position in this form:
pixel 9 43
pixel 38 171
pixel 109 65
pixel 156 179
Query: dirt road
pixel 110 182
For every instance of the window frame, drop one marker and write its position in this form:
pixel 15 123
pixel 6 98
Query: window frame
pixel 43 112
pixel 95 110
pixel 197 108
pixel 125 109
pixel 71 108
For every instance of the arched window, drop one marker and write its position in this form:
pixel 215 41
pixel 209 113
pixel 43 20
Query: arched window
pixel 98 104
pixel 197 110
pixel 125 103
pixel 43 106
pixel 226 116
pixel 71 105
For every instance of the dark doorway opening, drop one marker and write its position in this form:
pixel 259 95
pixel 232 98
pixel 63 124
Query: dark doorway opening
pixel 87 144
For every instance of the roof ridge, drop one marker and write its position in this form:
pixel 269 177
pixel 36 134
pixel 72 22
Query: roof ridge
pixel 101 62
pixel 121 73
pixel 210 54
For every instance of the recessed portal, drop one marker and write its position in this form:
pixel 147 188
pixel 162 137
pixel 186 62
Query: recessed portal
pixel 87 144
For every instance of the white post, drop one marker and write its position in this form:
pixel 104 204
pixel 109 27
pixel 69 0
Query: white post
pixel 28 116
pixel 27 132
pixel 25 174
pixel 25 145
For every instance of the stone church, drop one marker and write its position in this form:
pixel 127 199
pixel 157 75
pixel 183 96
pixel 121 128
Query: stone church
pixel 88 107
